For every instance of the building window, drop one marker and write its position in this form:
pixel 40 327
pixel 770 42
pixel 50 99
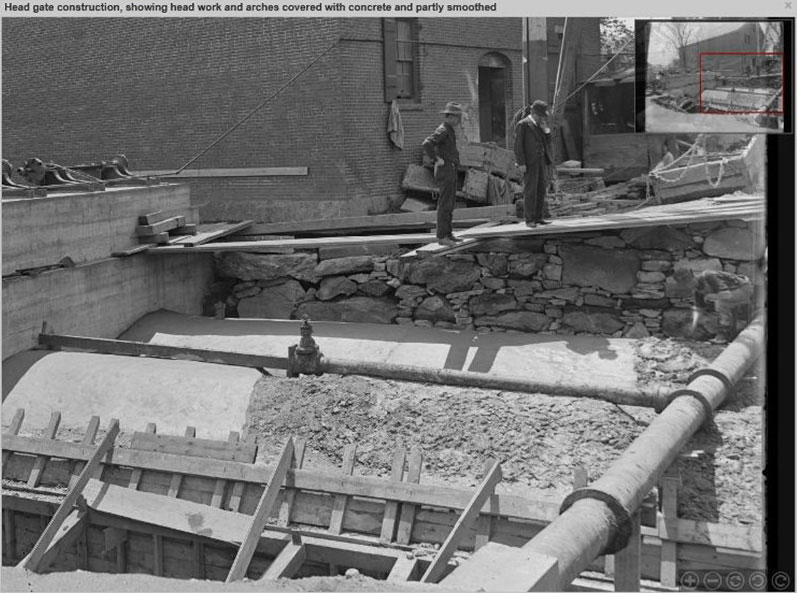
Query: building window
pixel 401 58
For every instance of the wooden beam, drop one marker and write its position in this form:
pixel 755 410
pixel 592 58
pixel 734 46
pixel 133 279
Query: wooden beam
pixel 405 492
pixel 177 479
pixel 669 549
pixel 147 230
pixel 405 569
pixel 88 440
pixel 13 429
pixel 130 348
pixel 210 232
pixel 135 475
pixel 286 563
pixel 226 172
pixel 482 494
pixel 374 221
pixel 627 565
pixel 221 485
pixel 290 493
pixel 407 517
pixel 41 460
pixel 9 535
pixel 194 447
pixel 267 500
pixel 391 506
pixel 339 504
pixel 69 501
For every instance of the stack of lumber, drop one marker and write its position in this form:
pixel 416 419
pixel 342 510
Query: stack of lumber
pixel 158 227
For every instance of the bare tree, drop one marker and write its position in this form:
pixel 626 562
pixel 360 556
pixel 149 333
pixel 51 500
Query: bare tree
pixel 679 34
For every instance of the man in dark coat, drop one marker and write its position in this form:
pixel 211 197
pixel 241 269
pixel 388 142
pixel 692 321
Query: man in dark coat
pixel 533 150
pixel 441 146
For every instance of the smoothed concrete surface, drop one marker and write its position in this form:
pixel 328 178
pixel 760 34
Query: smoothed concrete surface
pixel 604 362
pixel 171 393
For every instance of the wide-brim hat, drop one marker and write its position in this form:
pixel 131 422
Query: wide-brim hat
pixel 453 109
pixel 539 107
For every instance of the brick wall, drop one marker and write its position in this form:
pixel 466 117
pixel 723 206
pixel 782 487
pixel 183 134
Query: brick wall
pixel 161 90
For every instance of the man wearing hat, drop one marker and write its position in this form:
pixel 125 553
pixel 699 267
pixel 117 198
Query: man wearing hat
pixel 441 147
pixel 533 150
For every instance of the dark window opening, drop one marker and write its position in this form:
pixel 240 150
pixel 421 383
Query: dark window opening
pixel 400 37
pixel 611 109
pixel 492 105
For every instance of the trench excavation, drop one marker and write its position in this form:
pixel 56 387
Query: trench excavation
pixel 188 507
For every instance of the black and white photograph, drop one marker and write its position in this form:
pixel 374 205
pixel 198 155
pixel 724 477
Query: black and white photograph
pixel 715 76
pixel 381 304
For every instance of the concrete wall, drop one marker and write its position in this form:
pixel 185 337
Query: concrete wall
pixel 101 298
pixel 85 226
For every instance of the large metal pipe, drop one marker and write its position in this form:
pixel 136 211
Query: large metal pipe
pixel 596 520
pixel 654 396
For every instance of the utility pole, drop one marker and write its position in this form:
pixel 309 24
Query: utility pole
pixel 535 60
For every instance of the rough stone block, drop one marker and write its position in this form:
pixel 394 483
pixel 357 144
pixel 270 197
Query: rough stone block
pixel 609 269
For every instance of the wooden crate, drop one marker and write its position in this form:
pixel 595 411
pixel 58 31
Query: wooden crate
pixel 475 186
pixel 419 178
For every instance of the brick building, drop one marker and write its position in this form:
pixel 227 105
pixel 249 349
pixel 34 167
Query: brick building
pixel 160 90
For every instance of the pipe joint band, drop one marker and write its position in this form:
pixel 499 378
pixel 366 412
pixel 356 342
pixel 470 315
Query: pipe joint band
pixel 708 408
pixel 716 373
pixel 622 518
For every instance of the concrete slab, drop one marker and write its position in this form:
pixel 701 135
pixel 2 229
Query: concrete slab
pixel 172 394
pixel 606 362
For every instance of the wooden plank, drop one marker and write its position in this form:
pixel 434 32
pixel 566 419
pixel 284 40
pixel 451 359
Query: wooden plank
pixel 374 221
pixel 9 535
pixel 135 476
pixel 288 500
pixel 362 486
pixel 221 485
pixel 88 440
pixel 718 535
pixel 391 506
pixel 405 569
pixel 194 447
pixel 69 501
pixel 210 232
pixel 407 516
pixel 113 537
pixel 287 563
pixel 244 556
pixel 152 240
pixel 131 251
pixel 227 172
pixel 482 494
pixel 339 506
pixel 130 348
pixel 148 230
pixel 627 560
pixel 41 460
pixel 152 217
pixel 177 479
pixel 580 477
pixel 669 549
pixel 13 429
pixel 186 229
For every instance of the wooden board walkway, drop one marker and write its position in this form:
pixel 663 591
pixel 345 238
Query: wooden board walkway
pixel 705 210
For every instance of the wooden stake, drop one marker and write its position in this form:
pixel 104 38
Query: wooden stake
pixel 16 424
pixel 32 562
pixel 88 440
pixel 339 505
pixel 221 485
pixel 290 493
pixel 41 460
pixel 177 479
pixel 669 516
pixel 483 492
pixel 407 517
pixel 391 506
pixel 135 476
pixel 627 561
pixel 247 550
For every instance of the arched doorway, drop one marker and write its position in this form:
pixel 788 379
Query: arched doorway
pixel 494 89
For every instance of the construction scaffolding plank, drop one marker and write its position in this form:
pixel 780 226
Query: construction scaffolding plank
pixel 244 452
pixel 33 560
pixel 482 494
pixel 255 529
pixel 287 563
pixel 210 232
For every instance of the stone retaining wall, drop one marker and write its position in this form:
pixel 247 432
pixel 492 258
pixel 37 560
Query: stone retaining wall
pixel 614 283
